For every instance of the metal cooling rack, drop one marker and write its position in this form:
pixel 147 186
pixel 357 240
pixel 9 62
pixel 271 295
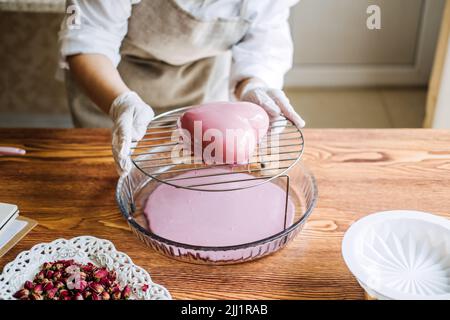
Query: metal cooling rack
pixel 152 156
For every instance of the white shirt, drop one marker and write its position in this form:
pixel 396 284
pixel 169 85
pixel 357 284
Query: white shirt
pixel 265 52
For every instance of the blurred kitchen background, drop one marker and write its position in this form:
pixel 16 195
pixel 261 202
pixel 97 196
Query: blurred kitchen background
pixel 344 75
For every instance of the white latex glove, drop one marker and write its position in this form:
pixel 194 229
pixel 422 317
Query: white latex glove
pixel 273 101
pixel 131 117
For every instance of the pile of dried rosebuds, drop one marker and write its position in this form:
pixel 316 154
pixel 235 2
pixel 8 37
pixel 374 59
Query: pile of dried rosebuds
pixel 68 280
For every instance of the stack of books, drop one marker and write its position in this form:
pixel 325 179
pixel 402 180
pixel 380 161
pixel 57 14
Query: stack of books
pixel 12 226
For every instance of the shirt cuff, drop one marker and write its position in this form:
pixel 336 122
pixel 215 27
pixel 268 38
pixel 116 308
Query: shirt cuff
pixel 90 41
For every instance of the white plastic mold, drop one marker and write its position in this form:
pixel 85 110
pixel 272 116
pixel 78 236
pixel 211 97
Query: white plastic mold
pixel 400 255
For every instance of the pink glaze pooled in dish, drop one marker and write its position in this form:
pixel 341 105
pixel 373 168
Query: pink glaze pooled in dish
pixel 234 127
pixel 221 218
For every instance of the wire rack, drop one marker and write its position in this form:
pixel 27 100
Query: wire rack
pixel 279 151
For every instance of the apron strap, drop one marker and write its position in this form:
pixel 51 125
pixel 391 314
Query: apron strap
pixel 243 11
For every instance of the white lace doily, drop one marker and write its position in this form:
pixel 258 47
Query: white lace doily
pixel 82 249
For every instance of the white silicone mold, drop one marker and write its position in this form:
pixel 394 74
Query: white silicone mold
pixel 400 255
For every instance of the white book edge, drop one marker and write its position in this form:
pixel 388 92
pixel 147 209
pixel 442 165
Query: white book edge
pixel 6 212
pixel 7 224
pixel 19 228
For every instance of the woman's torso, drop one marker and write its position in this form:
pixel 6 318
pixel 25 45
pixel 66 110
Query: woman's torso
pixel 176 52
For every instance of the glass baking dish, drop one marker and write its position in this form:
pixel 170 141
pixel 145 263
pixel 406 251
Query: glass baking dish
pixel 132 193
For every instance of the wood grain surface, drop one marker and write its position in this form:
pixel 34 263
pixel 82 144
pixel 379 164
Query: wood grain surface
pixel 67 182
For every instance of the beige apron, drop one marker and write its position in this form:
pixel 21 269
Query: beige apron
pixel 170 58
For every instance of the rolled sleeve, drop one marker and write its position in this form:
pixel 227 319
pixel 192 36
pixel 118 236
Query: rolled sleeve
pixel 266 52
pixel 102 26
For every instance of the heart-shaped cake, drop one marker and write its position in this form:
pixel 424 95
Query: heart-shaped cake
pixel 225 132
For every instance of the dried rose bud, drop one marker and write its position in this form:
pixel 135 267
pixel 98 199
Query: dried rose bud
pixel 38 288
pixel 116 295
pixel 96 297
pixel 59 284
pixel 67 263
pixel 91 282
pixel 145 287
pixel 105 282
pixel 78 296
pixel 63 293
pixel 40 275
pixel 57 275
pixel 87 294
pixel 126 292
pixel 115 286
pixel 47 265
pixel 105 295
pixel 112 276
pixel 59 266
pixel 100 273
pixel 36 296
pixel 96 287
pixel 88 268
pixel 22 294
pixel 48 286
pixel 49 274
pixel 28 285
pixel 52 293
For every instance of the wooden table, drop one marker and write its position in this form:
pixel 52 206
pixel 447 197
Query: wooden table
pixel 67 181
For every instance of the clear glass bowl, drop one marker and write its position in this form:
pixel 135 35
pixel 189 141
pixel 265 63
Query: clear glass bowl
pixel 132 193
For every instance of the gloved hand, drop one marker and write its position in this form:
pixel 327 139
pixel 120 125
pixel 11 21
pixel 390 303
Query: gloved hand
pixel 131 117
pixel 274 101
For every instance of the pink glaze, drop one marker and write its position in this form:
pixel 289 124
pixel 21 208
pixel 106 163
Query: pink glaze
pixel 246 122
pixel 217 218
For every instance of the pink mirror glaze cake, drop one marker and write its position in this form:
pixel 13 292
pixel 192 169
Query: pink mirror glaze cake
pixel 220 218
pixel 225 132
